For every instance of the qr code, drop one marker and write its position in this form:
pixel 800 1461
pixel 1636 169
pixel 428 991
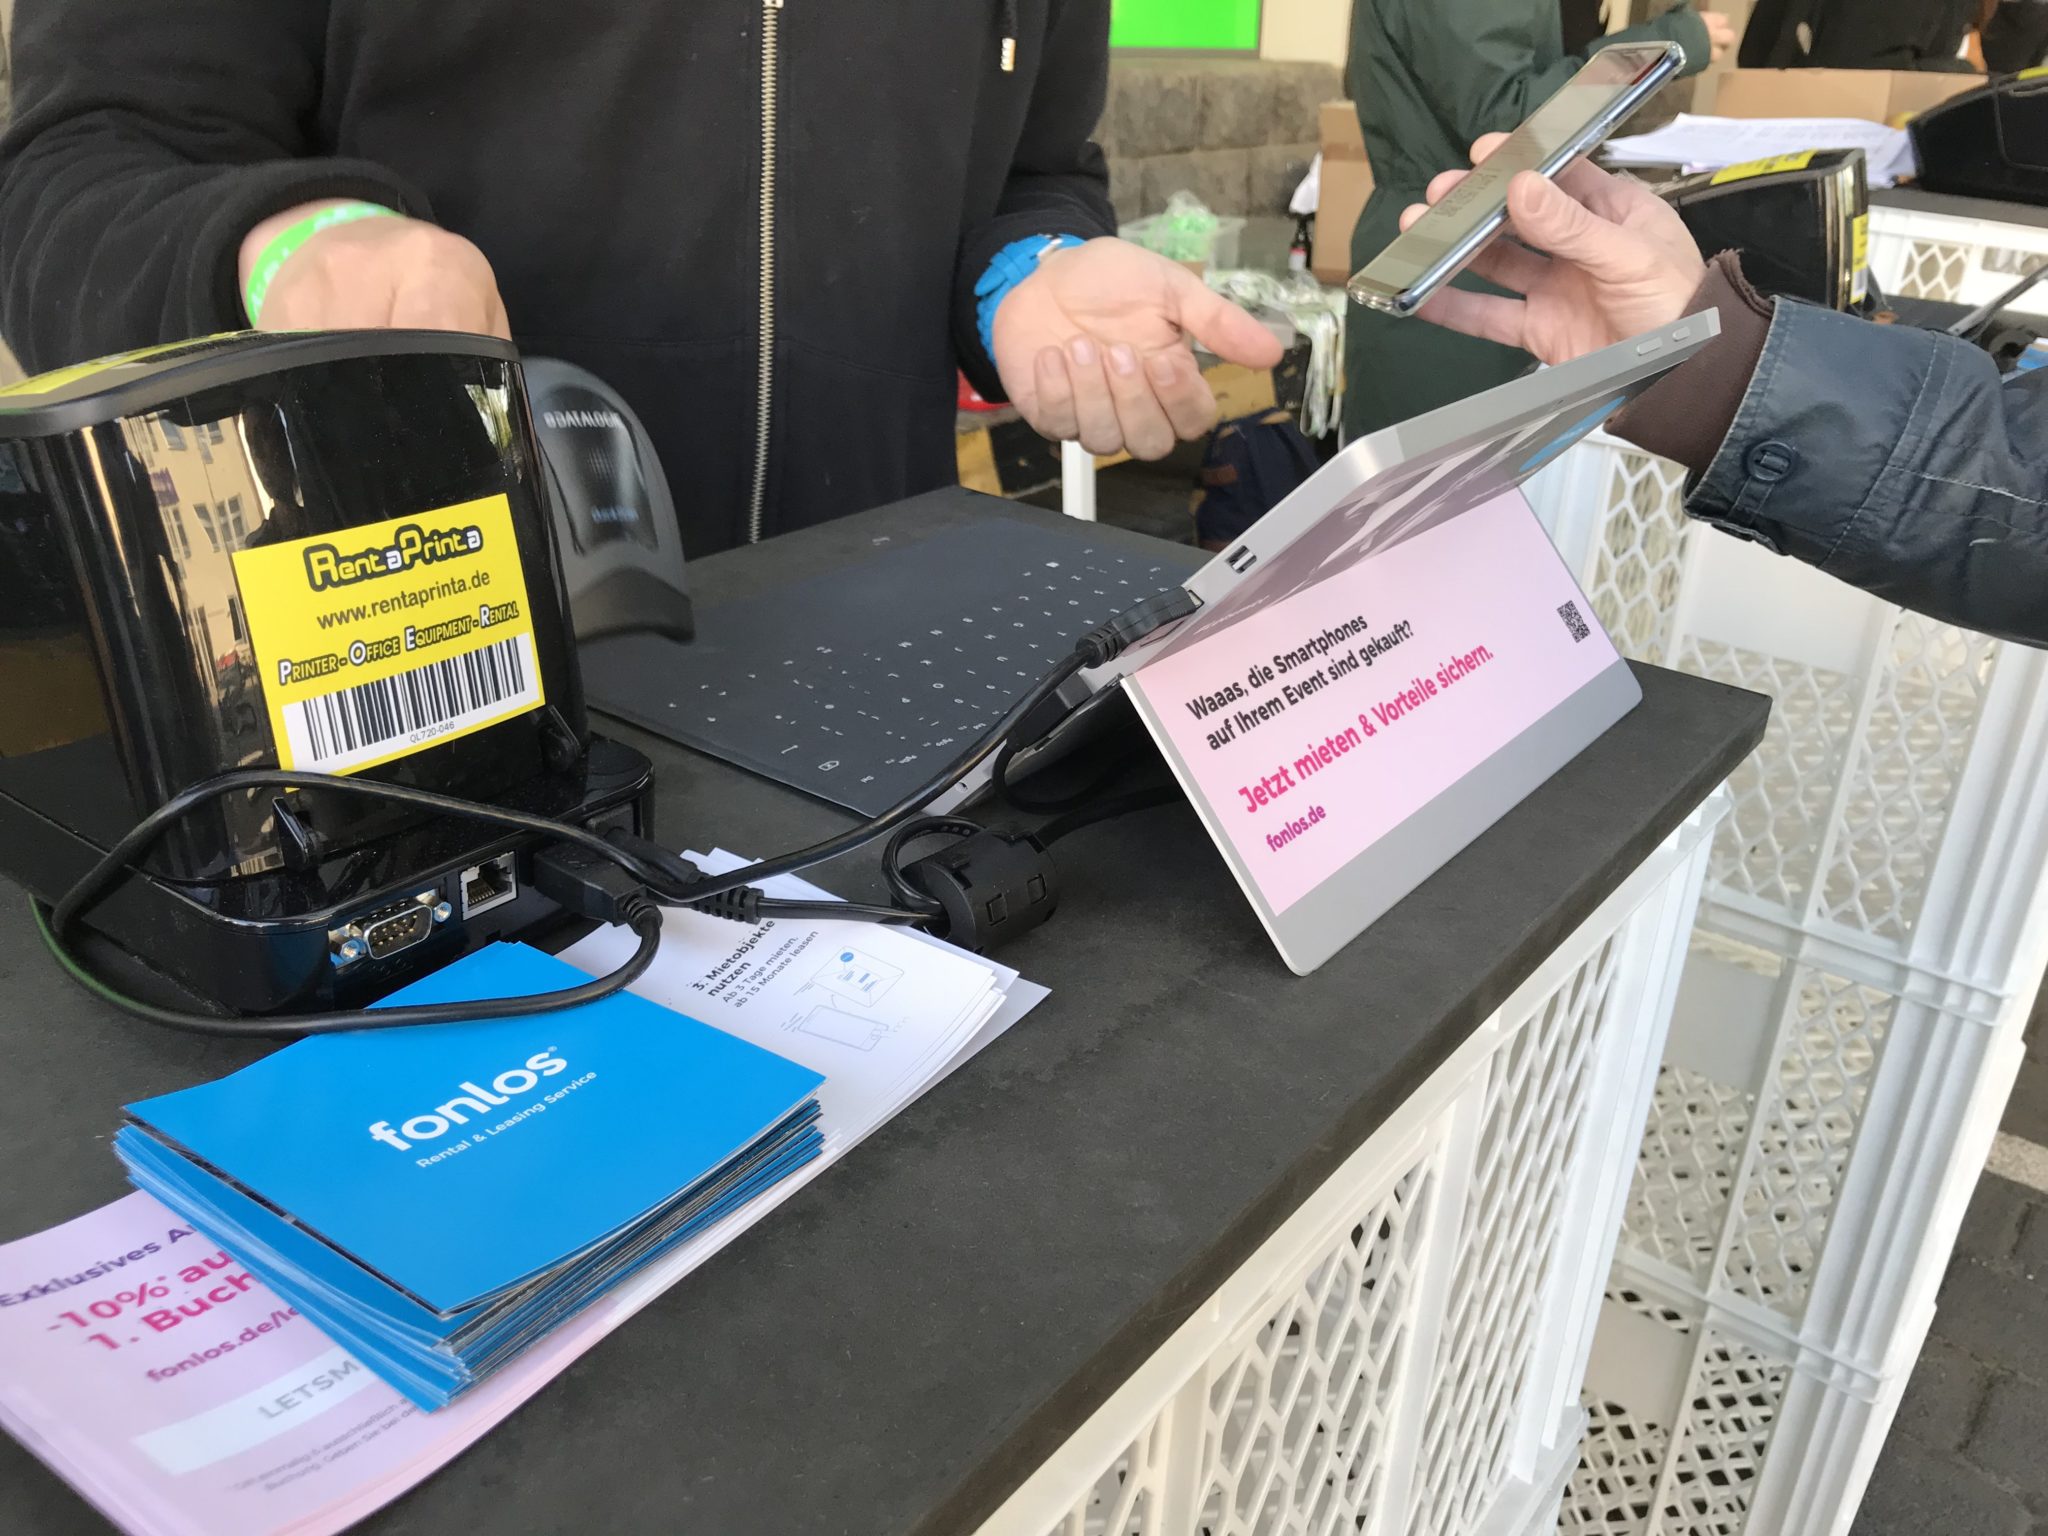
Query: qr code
pixel 1573 622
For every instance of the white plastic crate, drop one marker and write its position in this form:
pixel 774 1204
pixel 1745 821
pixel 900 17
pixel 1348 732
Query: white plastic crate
pixel 1404 1357
pixel 1869 946
pixel 1954 259
pixel 1680 1419
pixel 1746 1267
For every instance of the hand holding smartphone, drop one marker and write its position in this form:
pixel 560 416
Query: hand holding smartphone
pixel 1438 246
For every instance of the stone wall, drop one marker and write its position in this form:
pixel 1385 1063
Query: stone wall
pixel 1239 134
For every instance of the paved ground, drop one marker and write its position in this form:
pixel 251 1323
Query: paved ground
pixel 1968 1455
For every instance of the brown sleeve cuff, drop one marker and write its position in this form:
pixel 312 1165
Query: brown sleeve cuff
pixel 1685 416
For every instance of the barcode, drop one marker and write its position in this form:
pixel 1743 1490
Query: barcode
pixel 1573 622
pixel 352 724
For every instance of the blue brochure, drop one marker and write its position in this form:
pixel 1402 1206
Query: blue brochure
pixel 450 1168
pixel 424 1365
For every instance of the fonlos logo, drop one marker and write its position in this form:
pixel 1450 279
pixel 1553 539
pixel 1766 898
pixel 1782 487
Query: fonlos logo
pixel 411 545
pixel 541 1064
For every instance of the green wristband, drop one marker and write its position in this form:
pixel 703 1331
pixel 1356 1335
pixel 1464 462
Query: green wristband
pixel 286 245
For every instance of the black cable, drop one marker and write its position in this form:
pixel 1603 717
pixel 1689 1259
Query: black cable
pixel 1108 810
pixel 91 888
pixel 643 916
pixel 892 858
pixel 1039 805
pixel 123 856
pixel 645 921
pixel 910 805
pixel 820 910
pixel 1046 835
pixel 666 876
pixel 1100 646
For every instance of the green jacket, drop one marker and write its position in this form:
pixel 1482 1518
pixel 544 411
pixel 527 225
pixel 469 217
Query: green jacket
pixel 1430 77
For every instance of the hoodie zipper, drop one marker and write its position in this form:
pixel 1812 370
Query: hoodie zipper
pixel 771 61
pixel 771 53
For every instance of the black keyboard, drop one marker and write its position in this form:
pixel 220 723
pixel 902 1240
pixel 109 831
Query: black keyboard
pixel 858 686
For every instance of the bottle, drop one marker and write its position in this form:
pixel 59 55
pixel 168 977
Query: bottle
pixel 1297 255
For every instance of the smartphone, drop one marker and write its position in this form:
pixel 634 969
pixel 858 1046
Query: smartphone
pixel 1442 243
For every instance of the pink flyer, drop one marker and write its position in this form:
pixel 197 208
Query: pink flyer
pixel 1317 724
pixel 153 1373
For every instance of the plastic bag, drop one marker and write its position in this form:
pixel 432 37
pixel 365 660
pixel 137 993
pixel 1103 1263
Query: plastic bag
pixel 1185 232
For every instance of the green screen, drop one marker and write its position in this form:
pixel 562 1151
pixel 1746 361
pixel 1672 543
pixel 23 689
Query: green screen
pixel 1184 24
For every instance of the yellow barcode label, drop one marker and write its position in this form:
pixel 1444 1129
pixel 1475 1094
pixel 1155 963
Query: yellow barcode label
pixel 1767 167
pixel 382 640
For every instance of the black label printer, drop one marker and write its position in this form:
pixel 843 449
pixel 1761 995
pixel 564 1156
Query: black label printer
pixel 1990 143
pixel 327 553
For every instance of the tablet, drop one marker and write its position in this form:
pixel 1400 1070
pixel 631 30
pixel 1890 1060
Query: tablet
pixel 1394 657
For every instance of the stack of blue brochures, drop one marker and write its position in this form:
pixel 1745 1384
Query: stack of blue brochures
pixel 438 1199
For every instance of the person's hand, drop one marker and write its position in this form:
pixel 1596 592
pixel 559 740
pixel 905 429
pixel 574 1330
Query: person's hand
pixel 1093 347
pixel 1598 258
pixel 1720 34
pixel 376 273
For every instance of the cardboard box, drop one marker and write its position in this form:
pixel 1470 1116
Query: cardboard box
pixel 1346 186
pixel 1347 183
pixel 1341 136
pixel 1876 95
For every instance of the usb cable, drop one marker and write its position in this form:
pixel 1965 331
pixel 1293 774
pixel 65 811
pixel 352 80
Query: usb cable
pixel 619 879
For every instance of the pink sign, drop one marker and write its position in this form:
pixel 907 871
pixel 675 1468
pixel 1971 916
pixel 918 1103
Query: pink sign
pixel 1317 724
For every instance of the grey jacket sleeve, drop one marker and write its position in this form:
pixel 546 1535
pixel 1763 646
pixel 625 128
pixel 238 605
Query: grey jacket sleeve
pixel 1897 460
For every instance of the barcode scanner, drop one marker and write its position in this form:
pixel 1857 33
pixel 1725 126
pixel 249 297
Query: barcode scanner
pixel 622 551
pixel 1991 142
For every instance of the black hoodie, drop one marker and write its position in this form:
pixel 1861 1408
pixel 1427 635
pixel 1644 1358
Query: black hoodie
pixel 608 158
pixel 2016 36
pixel 1858 34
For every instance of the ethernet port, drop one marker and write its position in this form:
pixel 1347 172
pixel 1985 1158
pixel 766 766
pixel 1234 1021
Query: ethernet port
pixel 487 885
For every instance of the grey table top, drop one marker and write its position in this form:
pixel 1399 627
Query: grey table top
pixel 896 1348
